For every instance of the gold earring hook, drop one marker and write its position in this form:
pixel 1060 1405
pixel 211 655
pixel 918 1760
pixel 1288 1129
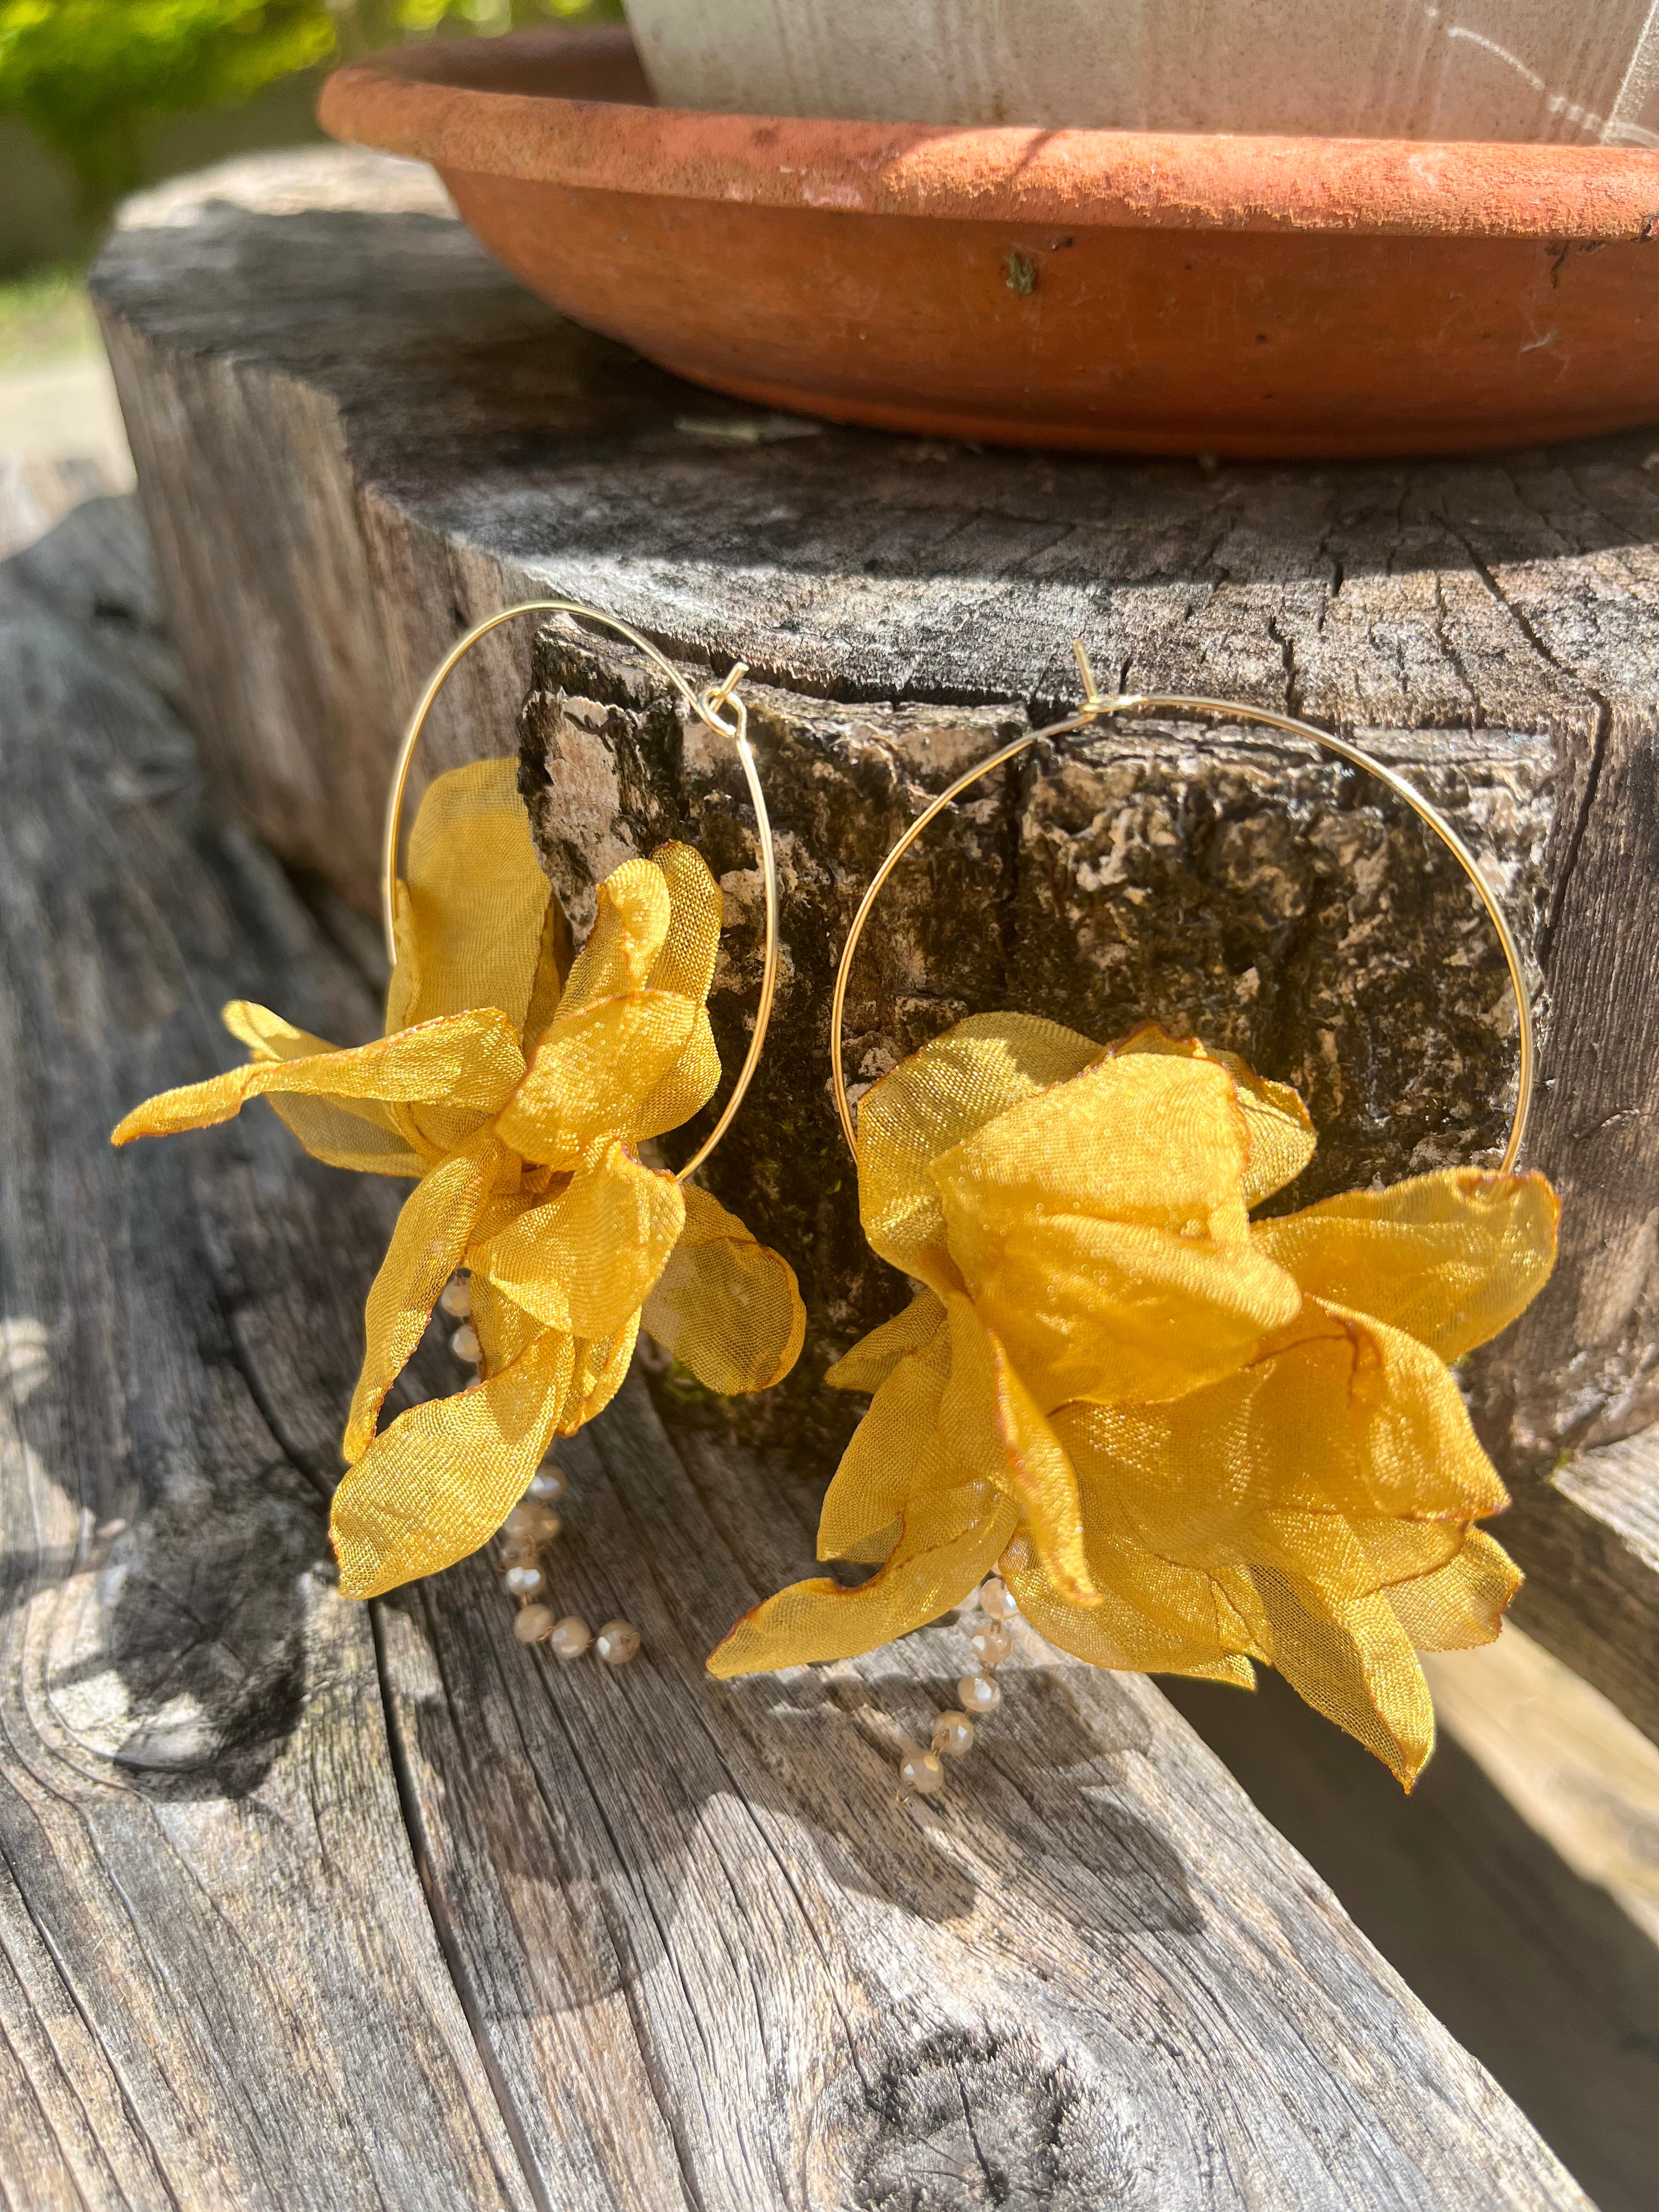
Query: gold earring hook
pixel 707 707
pixel 1095 704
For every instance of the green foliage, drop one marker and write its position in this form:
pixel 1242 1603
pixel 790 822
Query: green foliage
pixel 82 72
pixel 86 74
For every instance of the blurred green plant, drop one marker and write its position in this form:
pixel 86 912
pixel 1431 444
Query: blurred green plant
pixel 86 74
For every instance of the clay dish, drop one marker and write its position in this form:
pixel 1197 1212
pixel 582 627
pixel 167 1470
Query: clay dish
pixel 1116 290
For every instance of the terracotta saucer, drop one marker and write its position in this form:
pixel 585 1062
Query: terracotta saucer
pixel 1110 289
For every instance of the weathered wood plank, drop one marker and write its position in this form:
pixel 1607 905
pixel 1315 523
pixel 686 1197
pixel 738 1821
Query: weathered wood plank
pixel 733 1970
pixel 1521 1902
pixel 1591 1540
pixel 711 1961
pixel 219 1980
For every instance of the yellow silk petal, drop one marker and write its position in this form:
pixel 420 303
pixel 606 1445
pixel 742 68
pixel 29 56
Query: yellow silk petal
pixel 427 1245
pixel 1151 1616
pixel 630 928
pixel 988 1428
pixel 593 1071
pixel 686 962
pixel 949 1541
pixel 469 927
pixel 929 1103
pixel 725 1305
pixel 472 1062
pixel 1282 1140
pixel 445 1475
pixel 877 1473
pixel 584 1261
pixel 874 1357
pixel 1463 1604
pixel 358 1133
pixel 1353 1660
pixel 1452 1258
pixel 1350 1559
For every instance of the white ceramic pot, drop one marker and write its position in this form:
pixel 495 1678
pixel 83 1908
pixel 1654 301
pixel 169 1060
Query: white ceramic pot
pixel 1519 69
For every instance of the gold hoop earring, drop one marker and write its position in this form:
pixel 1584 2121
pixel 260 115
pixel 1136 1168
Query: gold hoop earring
pixel 514 1086
pixel 1184 1441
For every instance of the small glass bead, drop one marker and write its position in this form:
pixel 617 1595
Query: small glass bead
pixel 924 1773
pixel 979 1694
pixel 529 1523
pixel 523 1582
pixel 992 1643
pixel 571 1637
pixel 953 1734
pixel 617 1642
pixel 465 1343
pixel 456 1298
pixel 546 1485
pixel 998 1600
pixel 534 1622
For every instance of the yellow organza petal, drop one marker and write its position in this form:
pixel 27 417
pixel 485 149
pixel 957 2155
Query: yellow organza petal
pixel 689 1085
pixel 1451 1258
pixel 1334 1415
pixel 600 1370
pixel 874 1357
pixel 552 966
pixel 1463 1605
pixel 1101 1230
pixel 630 926
pixel 359 1133
pixel 427 1246
pixel 1150 1617
pixel 1353 1660
pixel 445 1475
pixel 989 1429
pixel 584 1262
pixel 477 901
pixel 1282 1140
pixel 878 1474
pixel 1125 1313
pixel 504 1330
pixel 592 1073
pixel 931 1102
pixel 726 1306
pixel 949 1541
pixel 686 961
pixel 471 1061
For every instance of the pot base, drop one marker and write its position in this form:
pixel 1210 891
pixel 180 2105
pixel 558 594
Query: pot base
pixel 1097 291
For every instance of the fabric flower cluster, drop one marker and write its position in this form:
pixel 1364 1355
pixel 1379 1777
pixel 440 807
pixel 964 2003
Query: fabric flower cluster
pixel 515 1096
pixel 1192 1441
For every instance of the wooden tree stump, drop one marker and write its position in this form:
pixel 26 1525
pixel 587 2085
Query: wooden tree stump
pixel 267 1858
pixel 354 436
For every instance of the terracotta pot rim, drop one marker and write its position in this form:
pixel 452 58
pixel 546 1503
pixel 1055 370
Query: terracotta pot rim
pixel 415 101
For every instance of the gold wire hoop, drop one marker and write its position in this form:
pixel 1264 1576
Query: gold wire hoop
pixel 1096 705
pixel 706 706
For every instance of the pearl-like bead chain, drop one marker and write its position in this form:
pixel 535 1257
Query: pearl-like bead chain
pixel 922 1773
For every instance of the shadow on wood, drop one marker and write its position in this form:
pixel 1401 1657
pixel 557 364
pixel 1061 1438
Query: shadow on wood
pixel 1539 1973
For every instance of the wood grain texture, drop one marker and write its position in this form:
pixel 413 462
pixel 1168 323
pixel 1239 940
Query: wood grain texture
pixel 1591 1538
pixel 219 1981
pixel 354 435
pixel 708 1960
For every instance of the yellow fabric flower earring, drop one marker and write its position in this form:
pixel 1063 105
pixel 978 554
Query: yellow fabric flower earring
pixel 515 1095
pixel 1189 1442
